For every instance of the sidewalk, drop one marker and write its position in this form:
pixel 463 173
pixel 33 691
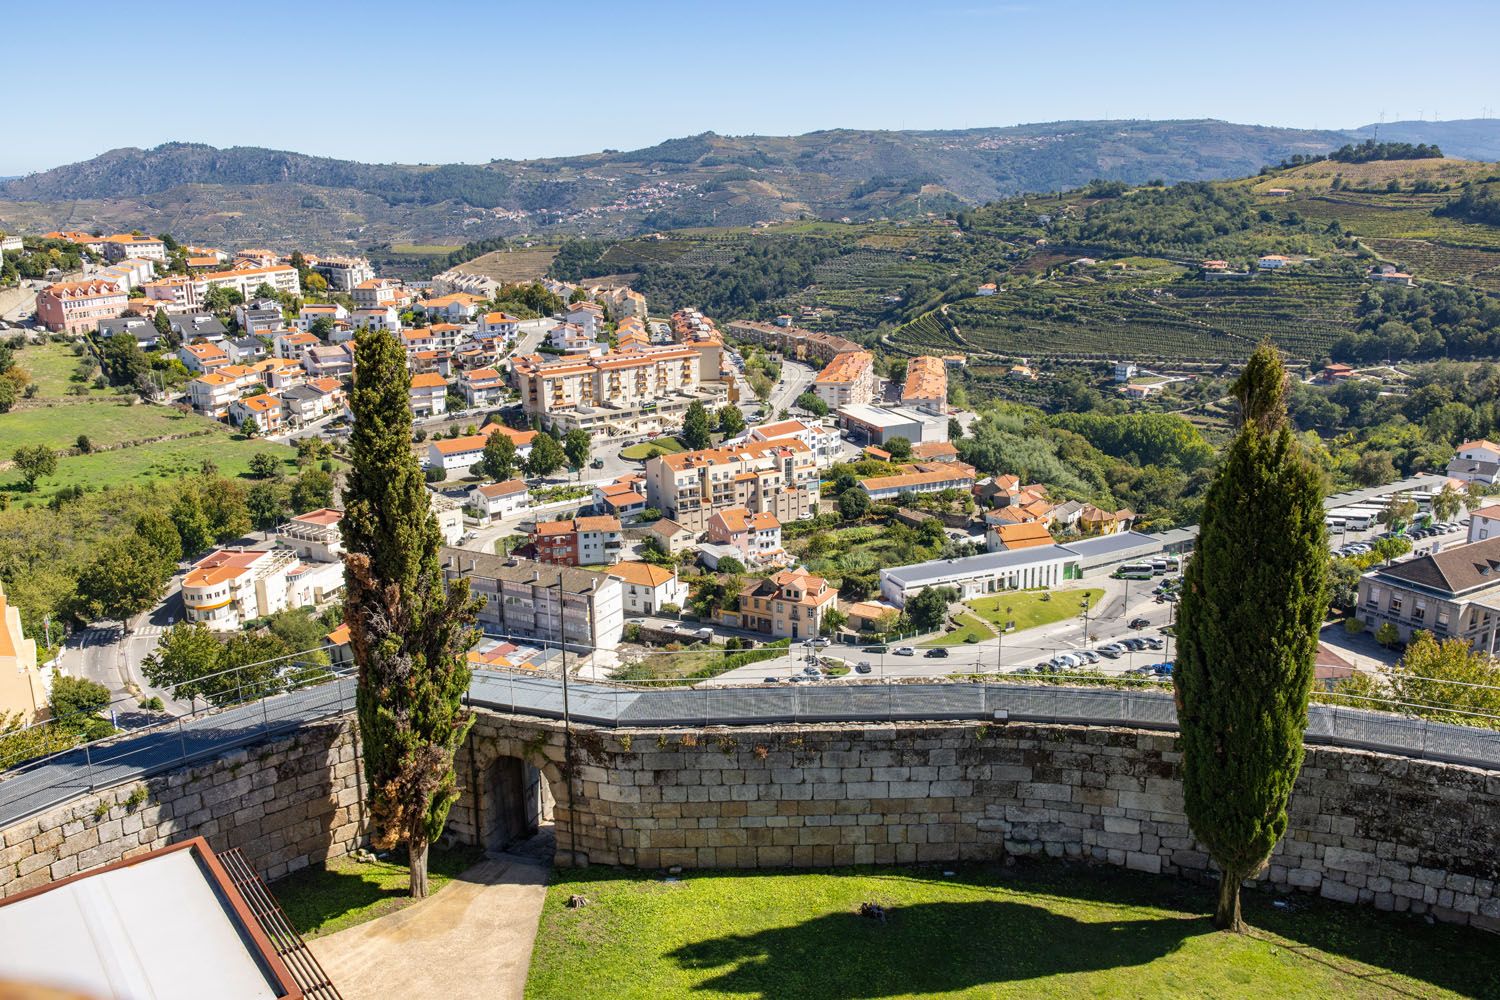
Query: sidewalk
pixel 471 941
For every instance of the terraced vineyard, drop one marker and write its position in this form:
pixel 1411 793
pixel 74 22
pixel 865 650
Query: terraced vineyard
pixel 1187 319
pixel 1441 262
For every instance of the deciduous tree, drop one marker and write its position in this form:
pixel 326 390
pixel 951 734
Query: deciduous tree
pixel 499 461
pixel 34 462
pixel 546 455
pixel 695 429
pixel 408 632
pixel 1255 594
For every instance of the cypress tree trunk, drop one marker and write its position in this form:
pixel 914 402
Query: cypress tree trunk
pixel 1227 913
pixel 408 632
pixel 1254 597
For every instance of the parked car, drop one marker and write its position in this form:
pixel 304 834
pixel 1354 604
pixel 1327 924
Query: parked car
pixel 822 641
pixel 904 651
pixel 936 652
pixel 771 680
pixel 1154 642
pixel 863 667
pixel 1089 654
pixel 811 671
pixel 1112 651
pixel 1162 669
pixel 875 650
pixel 1139 623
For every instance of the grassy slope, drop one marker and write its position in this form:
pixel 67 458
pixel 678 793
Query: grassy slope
pixel 327 898
pixel 56 419
pixel 1032 930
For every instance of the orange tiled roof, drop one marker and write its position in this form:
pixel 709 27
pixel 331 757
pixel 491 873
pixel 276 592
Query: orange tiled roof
pixel 846 367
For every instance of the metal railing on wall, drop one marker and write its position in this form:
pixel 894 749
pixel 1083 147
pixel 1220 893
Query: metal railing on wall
pixel 48 781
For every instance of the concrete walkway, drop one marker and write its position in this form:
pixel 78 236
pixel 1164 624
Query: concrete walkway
pixel 472 939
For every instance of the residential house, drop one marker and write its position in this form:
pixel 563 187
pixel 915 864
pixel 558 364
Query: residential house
pixel 1484 523
pixel 1272 262
pixel 482 386
pixel 672 536
pixel 292 344
pixel 756 536
pixel 498 324
pixel 328 361
pixel 202 357
pixel 987 289
pixel 211 393
pixel 78 306
pixel 581 541
pixel 648 588
pixel 430 361
pixel 263 412
pixel 1453 593
pixel 141 329
pixel 550 603
pixel 1476 462
pixel 1096 521
pixel 587 316
pixel 790 604
pixel 1335 373
pixel 376 292
pixel 457 307
pixel 231 586
pixel 243 350
pixel 465 452
pixel 376 318
pixel 623 498
pixel 934 451
pixel 500 500
pixel 429 395
pixel 259 320
pixel 314 311
pixel 849 379
pixel 303 404
pixel 569 338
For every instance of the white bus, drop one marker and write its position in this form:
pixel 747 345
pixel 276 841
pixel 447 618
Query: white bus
pixel 1135 571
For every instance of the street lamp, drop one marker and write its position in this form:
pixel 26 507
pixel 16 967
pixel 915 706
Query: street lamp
pixel 1084 604
pixel 1000 641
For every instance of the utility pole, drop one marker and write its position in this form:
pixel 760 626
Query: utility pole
pixel 1084 603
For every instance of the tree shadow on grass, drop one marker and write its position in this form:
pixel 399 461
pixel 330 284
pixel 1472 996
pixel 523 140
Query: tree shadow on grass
pixel 320 896
pixel 927 948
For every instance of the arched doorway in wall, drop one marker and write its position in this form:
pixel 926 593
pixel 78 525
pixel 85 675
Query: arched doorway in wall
pixel 517 808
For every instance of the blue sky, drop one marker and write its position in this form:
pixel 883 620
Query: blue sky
pixel 464 80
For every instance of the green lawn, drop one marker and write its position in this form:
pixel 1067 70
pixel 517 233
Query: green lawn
pixel 327 898
pixel 51 366
pixel 665 445
pixel 1040 929
pixel 1028 609
pixel 969 626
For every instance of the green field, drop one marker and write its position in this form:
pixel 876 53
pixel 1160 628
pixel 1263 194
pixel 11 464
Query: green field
pixel 1032 930
pixel 157 460
pixel 107 421
pixel 1030 608
pixel 665 445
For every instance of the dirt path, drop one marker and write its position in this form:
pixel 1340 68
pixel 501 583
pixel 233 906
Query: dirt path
pixel 471 940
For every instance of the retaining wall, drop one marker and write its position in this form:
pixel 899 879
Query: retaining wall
pixel 285 803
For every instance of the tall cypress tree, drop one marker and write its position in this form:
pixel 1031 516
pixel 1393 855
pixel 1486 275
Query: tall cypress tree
pixel 408 632
pixel 1255 595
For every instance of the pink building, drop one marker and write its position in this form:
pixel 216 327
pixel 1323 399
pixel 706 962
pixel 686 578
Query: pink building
pixel 78 306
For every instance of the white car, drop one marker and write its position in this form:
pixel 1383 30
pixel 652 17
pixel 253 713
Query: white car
pixel 904 651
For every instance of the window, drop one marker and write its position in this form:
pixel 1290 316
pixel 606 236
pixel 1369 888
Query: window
pixel 1395 604
pixel 1419 613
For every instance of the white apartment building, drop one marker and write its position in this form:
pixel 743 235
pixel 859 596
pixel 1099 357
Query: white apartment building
pixel 533 600
pixel 344 273
pixel 500 500
pixel 310 314
pixel 777 477
pixel 846 380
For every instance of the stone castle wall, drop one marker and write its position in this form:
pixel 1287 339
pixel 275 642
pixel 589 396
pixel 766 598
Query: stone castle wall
pixel 1364 827
pixel 285 803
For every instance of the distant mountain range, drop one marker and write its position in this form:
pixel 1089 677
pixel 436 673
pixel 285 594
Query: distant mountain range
pixel 248 195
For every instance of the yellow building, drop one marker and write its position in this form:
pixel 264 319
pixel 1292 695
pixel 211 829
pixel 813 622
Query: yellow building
pixel 23 688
